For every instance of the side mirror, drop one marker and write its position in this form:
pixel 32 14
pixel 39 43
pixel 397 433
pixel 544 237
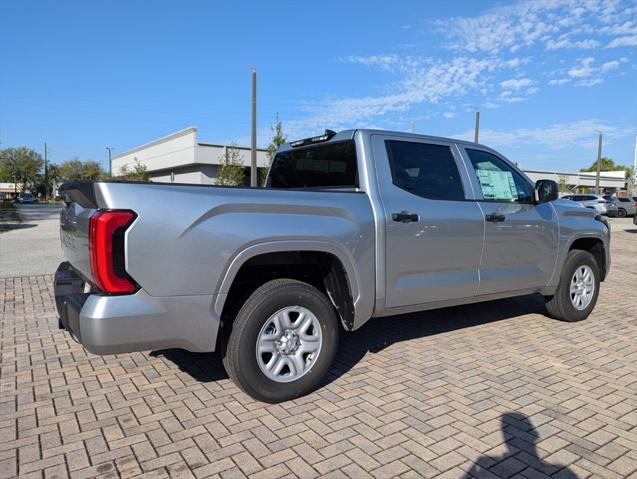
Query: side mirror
pixel 547 190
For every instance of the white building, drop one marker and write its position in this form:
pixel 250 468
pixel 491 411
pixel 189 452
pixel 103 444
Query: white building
pixel 9 190
pixel 610 181
pixel 182 158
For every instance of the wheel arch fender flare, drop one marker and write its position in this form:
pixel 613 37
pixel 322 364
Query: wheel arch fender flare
pixel 278 246
pixel 596 237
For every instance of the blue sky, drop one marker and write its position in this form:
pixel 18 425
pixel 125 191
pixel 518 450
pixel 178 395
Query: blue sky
pixel 545 73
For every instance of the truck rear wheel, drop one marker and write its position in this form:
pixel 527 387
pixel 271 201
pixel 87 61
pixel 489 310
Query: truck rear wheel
pixel 578 289
pixel 283 341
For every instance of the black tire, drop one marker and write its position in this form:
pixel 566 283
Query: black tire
pixel 560 306
pixel 240 358
pixel 621 213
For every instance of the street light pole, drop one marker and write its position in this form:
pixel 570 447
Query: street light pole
pixel 46 174
pixel 110 161
pixel 477 124
pixel 599 161
pixel 253 149
pixel 634 177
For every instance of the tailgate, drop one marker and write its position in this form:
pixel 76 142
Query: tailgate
pixel 79 206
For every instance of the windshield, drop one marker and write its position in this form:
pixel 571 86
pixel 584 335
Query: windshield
pixel 327 166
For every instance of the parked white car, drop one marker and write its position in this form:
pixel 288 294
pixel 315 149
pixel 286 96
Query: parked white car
pixel 596 202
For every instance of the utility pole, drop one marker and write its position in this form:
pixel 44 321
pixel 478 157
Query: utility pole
pixel 477 124
pixel 253 150
pixel 634 177
pixel 46 174
pixel 599 161
pixel 413 127
pixel 110 160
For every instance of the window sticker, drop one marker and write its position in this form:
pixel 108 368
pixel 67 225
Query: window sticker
pixel 497 185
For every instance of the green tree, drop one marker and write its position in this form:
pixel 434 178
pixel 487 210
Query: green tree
pixel 76 169
pixel 71 170
pixel 54 178
pixel 92 170
pixel 20 165
pixel 562 183
pixel 139 172
pixel 231 171
pixel 278 138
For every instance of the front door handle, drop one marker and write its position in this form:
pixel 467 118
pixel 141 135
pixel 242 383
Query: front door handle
pixel 405 217
pixel 495 217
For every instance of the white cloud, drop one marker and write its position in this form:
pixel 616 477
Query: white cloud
pixel 612 65
pixel 449 114
pixel 589 82
pixel 565 42
pixel 385 62
pixel 421 80
pixel 512 99
pixel 584 69
pixel 489 38
pixel 552 23
pixel 560 81
pixel 629 41
pixel 516 83
pixel 558 136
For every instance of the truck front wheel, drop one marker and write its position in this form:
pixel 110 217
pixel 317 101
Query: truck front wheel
pixel 577 291
pixel 283 341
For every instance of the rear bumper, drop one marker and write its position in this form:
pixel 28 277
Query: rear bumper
pixel 136 322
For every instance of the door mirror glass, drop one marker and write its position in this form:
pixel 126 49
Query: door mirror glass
pixel 547 190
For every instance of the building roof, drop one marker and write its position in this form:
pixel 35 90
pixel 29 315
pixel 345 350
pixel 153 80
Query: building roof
pixel 177 134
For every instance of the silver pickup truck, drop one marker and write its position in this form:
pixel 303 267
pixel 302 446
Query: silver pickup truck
pixel 350 226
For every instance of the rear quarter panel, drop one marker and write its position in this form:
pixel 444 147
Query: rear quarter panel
pixel 188 240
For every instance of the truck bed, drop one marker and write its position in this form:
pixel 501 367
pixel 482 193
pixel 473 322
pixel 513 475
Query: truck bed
pixel 186 237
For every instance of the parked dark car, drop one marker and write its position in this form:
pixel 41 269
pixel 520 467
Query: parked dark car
pixel 25 198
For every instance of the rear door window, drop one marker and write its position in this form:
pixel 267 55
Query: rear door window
pixel 425 170
pixel 332 165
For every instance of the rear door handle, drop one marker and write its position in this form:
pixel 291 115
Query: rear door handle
pixel 495 217
pixel 405 217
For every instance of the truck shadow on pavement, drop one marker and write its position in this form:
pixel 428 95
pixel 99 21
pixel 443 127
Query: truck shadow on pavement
pixel 380 333
pixel 376 335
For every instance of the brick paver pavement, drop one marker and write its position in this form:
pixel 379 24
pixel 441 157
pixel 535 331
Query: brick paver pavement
pixel 492 390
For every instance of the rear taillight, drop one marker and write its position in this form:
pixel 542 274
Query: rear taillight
pixel 634 204
pixel 106 250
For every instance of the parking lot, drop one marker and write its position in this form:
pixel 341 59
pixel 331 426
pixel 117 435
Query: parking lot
pixel 31 246
pixel 490 390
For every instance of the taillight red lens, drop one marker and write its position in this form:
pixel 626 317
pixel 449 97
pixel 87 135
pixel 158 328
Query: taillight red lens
pixel 107 264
